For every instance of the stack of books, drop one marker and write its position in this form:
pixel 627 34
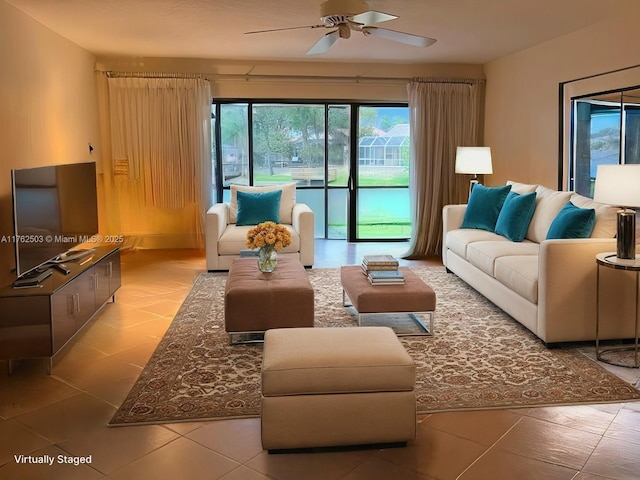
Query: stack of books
pixel 382 270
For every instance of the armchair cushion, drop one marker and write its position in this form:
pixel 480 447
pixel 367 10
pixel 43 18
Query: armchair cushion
pixel 287 199
pixel 254 208
pixel 234 240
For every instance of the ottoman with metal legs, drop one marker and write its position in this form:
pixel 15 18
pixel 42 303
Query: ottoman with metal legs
pixel 255 302
pixel 414 299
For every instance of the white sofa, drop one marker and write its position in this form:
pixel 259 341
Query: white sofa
pixel 549 286
pixel 224 240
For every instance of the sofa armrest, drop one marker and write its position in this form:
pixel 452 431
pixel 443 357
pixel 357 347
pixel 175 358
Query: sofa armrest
pixel 216 220
pixel 303 223
pixel 567 287
pixel 452 216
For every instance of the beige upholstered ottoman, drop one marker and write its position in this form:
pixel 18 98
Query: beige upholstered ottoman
pixel 256 301
pixel 325 387
pixel 414 297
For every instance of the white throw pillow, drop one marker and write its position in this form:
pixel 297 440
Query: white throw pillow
pixel 548 204
pixel 521 188
pixel 287 200
pixel 606 216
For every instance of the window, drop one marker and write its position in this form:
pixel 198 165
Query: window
pixel 605 129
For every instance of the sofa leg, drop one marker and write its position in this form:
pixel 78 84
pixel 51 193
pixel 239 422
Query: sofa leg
pixel 448 271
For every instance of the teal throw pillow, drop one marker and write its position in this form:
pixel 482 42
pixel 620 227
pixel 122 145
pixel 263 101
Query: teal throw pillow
pixel 255 208
pixel 572 222
pixel 516 215
pixel 484 207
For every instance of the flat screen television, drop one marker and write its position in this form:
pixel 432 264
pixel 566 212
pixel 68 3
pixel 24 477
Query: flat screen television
pixel 55 208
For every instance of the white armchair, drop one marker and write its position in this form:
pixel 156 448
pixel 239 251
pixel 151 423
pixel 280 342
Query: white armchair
pixel 225 240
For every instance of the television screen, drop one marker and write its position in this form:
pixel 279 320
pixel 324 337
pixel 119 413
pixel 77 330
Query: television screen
pixel 54 209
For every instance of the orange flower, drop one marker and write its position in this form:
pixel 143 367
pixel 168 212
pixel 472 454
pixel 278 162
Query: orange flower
pixel 268 233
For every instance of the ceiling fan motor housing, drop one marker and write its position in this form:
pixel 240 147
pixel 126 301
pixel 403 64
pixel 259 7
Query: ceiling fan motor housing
pixel 336 12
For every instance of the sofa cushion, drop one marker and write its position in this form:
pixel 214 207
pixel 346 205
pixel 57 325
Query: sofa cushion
pixel 548 204
pixel 459 240
pixel 234 239
pixel 287 199
pixel 521 188
pixel 515 215
pixel 606 216
pixel 520 274
pixel 484 255
pixel 572 222
pixel 484 207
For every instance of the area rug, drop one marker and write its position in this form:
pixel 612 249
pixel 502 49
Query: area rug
pixel 478 358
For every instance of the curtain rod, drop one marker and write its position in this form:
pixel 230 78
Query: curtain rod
pixel 468 81
pixel 298 78
pixel 354 79
pixel 187 76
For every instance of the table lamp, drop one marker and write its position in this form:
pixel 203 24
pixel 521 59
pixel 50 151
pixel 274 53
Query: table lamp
pixel 619 185
pixel 474 161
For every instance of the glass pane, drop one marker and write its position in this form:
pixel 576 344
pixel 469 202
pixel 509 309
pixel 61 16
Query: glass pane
pixel 383 213
pixel 314 198
pixel 337 213
pixel 631 101
pixel 383 161
pixel 338 145
pixel 288 144
pixel 596 140
pixel 234 128
pixel 214 160
pixel 383 146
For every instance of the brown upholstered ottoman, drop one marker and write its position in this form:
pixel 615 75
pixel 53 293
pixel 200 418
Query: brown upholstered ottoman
pixel 325 387
pixel 414 297
pixel 256 301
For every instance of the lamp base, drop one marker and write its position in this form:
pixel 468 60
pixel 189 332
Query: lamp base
pixel 626 237
pixel 472 183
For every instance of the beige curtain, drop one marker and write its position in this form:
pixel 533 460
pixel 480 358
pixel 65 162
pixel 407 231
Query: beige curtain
pixel 444 114
pixel 156 159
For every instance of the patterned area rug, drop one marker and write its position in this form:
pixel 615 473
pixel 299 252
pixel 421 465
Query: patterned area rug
pixel 478 358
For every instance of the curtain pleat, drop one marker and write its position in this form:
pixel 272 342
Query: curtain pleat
pixel 160 142
pixel 444 114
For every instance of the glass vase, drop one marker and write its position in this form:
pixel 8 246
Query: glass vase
pixel 267 259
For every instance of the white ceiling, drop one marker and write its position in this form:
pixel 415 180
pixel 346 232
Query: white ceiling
pixel 468 31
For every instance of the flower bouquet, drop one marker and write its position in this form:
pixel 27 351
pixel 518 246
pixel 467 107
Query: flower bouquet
pixel 268 237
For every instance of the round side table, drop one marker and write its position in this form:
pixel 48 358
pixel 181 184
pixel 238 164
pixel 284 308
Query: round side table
pixel 610 260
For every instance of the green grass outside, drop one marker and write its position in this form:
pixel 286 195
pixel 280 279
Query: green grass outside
pixel 342 179
pixel 391 230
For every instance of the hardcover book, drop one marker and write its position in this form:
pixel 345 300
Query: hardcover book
pixel 386 275
pixel 379 260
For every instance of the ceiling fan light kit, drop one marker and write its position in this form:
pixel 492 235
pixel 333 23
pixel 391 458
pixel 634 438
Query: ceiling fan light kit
pixel 347 15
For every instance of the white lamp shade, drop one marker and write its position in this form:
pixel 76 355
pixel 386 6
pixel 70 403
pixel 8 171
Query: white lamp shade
pixel 618 185
pixel 474 160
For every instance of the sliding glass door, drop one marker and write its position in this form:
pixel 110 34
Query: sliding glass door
pixel 349 162
pixel 381 173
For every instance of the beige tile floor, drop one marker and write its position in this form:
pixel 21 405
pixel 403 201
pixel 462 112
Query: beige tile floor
pixel 66 413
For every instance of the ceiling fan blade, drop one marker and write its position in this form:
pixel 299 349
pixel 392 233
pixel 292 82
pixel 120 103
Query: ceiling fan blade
pixel 372 16
pixel 287 28
pixel 324 43
pixel 407 38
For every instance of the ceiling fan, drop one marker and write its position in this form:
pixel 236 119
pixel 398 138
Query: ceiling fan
pixel 345 16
